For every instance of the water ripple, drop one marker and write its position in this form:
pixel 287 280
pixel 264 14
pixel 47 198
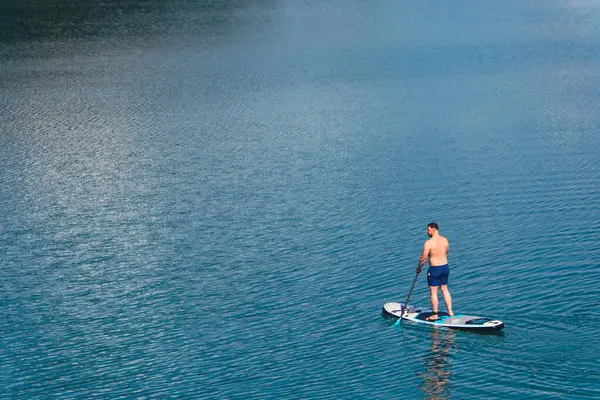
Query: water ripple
pixel 218 206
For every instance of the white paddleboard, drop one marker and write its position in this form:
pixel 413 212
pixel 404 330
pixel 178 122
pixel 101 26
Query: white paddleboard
pixel 457 321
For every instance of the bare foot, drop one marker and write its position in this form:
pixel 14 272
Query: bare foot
pixel 432 317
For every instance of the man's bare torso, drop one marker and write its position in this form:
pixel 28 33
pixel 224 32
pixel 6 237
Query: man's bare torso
pixel 438 250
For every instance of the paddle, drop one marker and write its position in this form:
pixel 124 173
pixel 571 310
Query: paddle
pixel 407 299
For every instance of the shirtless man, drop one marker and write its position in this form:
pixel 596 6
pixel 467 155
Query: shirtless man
pixel 436 250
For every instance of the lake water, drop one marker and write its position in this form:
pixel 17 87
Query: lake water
pixel 213 200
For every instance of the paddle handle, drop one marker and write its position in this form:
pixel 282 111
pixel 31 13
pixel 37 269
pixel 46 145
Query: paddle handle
pixel 408 297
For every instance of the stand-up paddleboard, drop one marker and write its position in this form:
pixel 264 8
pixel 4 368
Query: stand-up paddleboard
pixel 457 321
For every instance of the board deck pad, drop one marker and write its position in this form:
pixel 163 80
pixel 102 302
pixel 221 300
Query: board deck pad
pixel 457 321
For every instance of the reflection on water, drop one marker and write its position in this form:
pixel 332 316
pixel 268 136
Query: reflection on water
pixel 437 367
pixel 27 19
pixel 167 166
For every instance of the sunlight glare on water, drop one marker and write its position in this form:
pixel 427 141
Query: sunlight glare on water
pixel 214 199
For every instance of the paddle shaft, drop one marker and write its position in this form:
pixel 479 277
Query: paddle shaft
pixel 408 297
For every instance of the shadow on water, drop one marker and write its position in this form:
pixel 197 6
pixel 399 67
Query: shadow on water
pixel 56 19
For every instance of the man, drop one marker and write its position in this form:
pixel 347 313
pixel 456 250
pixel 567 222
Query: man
pixel 436 250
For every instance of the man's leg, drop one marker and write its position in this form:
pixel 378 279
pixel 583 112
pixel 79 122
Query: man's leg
pixel 433 297
pixel 447 299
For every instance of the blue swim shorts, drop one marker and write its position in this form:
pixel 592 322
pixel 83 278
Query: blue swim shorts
pixel 438 275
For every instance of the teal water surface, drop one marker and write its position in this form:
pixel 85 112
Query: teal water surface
pixel 213 200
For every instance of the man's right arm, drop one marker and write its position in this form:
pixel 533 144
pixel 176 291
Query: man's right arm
pixel 424 256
